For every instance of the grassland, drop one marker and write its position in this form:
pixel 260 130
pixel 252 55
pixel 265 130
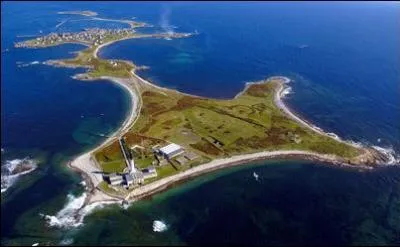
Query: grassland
pixel 98 67
pixel 214 128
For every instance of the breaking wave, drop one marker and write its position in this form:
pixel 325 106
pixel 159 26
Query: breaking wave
pixel 68 216
pixel 388 151
pixel 11 170
pixel 159 226
pixel 286 91
pixel 74 212
pixel 394 158
pixel 21 64
pixel 67 241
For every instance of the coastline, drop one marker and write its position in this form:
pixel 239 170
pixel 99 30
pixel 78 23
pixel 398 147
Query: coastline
pixel 85 164
pixel 165 183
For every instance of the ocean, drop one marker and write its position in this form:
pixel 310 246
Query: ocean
pixel 343 60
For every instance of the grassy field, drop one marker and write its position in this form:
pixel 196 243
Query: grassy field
pixel 100 67
pixel 221 128
pixel 248 123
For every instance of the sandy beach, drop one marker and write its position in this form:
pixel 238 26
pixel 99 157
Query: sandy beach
pixel 86 165
pixel 244 159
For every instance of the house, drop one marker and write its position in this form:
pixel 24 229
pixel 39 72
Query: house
pixel 150 169
pixel 171 150
pixel 137 177
pixel 128 179
pixel 115 179
pixel 149 172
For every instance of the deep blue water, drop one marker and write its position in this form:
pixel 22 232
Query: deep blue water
pixel 343 59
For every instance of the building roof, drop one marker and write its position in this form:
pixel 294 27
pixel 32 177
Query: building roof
pixel 128 177
pixel 150 169
pixel 137 175
pixel 115 178
pixel 170 148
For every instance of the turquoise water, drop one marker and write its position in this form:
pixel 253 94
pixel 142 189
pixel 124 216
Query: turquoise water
pixel 344 63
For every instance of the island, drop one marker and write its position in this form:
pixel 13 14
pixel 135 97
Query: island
pixel 170 136
pixel 84 13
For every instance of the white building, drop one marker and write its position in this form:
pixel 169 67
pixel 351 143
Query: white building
pixel 134 178
pixel 115 179
pixel 149 172
pixel 128 179
pixel 171 150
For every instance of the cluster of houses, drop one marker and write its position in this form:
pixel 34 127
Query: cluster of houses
pixel 163 155
pixel 93 36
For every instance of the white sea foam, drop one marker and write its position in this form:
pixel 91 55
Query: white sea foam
pixel 21 64
pixel 356 144
pixel 67 241
pixel 67 217
pixel 73 213
pixel 394 159
pixel 286 91
pixel 8 168
pixel 159 226
pixel 125 205
pixel 334 136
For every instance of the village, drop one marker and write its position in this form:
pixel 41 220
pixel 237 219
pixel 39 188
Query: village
pixel 90 36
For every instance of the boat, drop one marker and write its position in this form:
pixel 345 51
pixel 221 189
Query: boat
pixel 255 175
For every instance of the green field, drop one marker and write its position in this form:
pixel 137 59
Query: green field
pixel 100 67
pixel 221 128
pixel 248 123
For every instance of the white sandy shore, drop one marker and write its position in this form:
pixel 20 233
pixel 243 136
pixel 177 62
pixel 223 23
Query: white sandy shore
pixel 281 105
pixel 228 162
pixel 86 164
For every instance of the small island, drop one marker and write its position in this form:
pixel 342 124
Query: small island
pixel 84 13
pixel 170 136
